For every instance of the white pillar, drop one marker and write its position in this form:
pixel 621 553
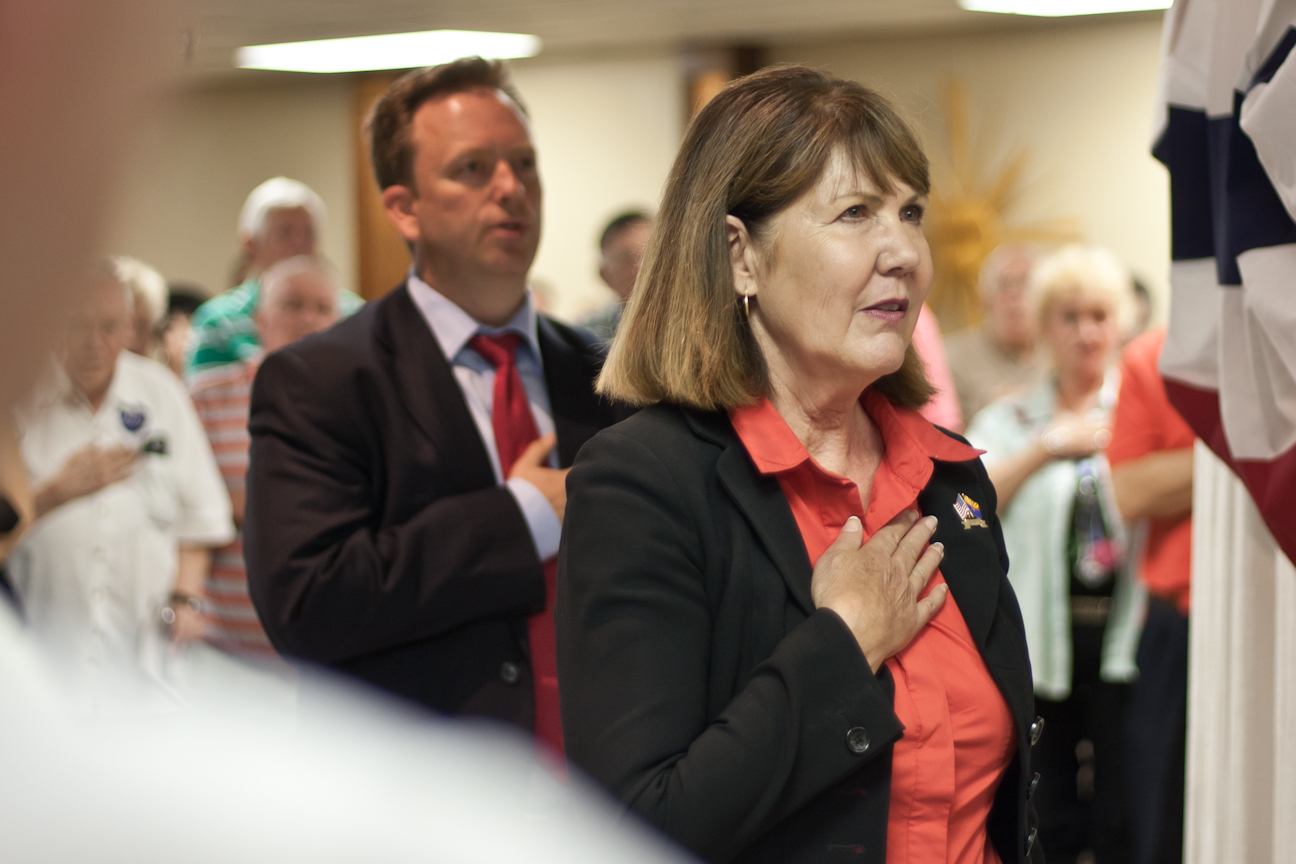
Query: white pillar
pixel 1241 793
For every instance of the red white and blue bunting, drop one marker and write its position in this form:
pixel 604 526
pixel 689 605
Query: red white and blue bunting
pixel 1226 130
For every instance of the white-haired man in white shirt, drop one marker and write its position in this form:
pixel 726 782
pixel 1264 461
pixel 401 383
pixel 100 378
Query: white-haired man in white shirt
pixel 281 219
pixel 128 497
pixel 149 293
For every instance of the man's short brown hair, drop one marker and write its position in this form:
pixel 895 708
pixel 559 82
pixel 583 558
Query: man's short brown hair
pixel 757 147
pixel 391 147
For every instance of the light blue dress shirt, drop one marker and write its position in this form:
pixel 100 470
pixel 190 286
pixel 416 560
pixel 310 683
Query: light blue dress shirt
pixel 453 328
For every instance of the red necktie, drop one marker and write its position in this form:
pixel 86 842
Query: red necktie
pixel 515 429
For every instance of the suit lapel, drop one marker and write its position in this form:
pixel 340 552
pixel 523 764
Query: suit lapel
pixel 578 413
pixel 971 565
pixel 763 505
pixel 430 392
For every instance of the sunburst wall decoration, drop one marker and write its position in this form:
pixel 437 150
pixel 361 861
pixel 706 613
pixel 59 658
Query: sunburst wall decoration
pixel 968 216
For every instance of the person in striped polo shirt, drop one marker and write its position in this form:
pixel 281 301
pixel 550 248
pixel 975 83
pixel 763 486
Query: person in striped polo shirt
pixel 299 296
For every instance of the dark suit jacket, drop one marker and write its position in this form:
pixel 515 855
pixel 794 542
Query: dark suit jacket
pixel 700 684
pixel 377 539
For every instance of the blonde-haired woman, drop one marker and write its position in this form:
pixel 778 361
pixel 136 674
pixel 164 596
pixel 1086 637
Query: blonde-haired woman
pixel 759 650
pixel 1065 539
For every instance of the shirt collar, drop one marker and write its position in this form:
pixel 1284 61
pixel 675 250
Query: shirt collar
pixel 911 441
pixel 453 327
pixel 55 386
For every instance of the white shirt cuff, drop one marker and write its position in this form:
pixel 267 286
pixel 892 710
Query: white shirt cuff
pixel 546 530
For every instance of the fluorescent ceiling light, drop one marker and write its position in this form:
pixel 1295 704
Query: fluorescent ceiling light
pixel 1060 8
pixel 391 51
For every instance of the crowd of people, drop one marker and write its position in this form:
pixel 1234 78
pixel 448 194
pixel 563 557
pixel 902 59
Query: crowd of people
pixel 722 547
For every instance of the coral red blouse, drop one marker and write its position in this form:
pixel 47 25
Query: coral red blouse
pixel 959 736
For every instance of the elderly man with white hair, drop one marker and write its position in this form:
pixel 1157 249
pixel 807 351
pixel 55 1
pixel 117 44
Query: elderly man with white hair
pixel 149 293
pixel 998 357
pixel 281 219
pixel 128 501
pixel 298 296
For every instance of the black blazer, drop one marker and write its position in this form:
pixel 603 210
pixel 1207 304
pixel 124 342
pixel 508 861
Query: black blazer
pixel 377 539
pixel 700 684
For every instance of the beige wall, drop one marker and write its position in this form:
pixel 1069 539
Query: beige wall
pixel 206 149
pixel 1079 97
pixel 606 132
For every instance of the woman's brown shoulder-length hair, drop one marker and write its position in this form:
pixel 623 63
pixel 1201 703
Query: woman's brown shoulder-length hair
pixel 760 144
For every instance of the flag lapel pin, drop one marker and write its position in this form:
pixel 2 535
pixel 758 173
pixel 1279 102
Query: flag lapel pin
pixel 969 511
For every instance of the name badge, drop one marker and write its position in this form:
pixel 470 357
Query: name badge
pixel 133 417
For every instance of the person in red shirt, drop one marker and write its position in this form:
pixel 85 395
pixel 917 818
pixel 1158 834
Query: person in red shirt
pixel 943 409
pixel 958 759
pixel 1151 458
pixel 785 628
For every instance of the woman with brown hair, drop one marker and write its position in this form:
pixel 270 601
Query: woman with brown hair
pixel 759 649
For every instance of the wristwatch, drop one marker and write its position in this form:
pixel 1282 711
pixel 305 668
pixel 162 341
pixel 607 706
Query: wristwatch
pixel 1054 440
pixel 177 599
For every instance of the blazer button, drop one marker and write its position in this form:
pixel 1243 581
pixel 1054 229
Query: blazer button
pixel 857 739
pixel 1030 793
pixel 509 672
pixel 1030 841
pixel 1036 730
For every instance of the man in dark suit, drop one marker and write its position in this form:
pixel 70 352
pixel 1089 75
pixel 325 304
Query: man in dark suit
pixel 407 478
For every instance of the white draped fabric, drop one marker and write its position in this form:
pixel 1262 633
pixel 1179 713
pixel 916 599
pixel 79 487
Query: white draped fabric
pixel 1241 797
pixel 1235 338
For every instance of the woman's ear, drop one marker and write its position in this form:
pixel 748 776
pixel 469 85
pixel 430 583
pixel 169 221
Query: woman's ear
pixel 742 257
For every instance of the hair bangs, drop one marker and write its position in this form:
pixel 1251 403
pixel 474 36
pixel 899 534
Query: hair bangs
pixel 881 147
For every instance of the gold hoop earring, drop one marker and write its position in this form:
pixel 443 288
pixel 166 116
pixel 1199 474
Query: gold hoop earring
pixel 747 307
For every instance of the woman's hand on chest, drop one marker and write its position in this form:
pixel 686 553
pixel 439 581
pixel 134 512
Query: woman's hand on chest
pixel 875 586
